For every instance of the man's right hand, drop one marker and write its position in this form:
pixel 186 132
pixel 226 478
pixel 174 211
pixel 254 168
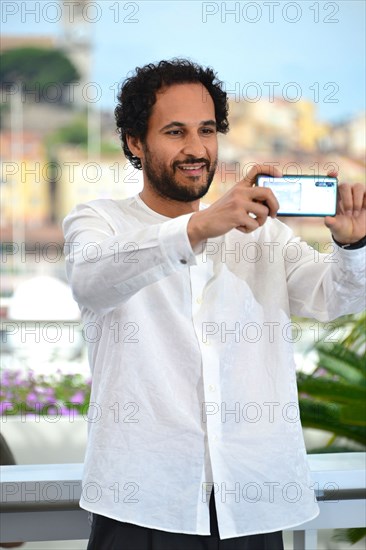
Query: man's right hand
pixel 235 209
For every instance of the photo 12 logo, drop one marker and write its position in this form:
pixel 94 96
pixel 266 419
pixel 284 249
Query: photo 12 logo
pixel 270 12
pixel 70 11
pixel 291 92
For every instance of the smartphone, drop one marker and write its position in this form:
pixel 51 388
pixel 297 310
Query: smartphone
pixel 303 195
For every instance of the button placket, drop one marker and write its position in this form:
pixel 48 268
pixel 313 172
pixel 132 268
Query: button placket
pixel 210 357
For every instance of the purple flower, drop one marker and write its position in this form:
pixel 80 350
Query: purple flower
pixel 32 398
pixel 78 398
pixel 17 379
pixel 5 379
pixel 47 395
pixel 71 412
pixel 9 407
pixel 51 411
pixel 36 393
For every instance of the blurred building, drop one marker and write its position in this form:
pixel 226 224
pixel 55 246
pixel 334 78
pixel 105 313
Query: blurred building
pixel 82 178
pixel 275 127
pixel 76 42
pixel 9 42
pixel 25 180
pixel 350 137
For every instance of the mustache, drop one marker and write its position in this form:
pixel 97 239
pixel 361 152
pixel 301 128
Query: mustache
pixel 191 160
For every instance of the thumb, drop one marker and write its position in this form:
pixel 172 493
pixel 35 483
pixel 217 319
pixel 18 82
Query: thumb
pixel 329 221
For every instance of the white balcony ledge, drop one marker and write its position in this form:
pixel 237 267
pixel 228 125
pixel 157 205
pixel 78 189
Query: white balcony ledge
pixel 40 502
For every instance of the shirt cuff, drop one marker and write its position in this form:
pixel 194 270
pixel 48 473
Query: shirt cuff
pixel 352 246
pixel 174 242
pixel 354 259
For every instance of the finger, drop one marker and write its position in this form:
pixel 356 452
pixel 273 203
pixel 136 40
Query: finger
pixel 345 198
pixel 359 198
pixel 248 225
pixel 267 197
pixel 332 222
pixel 258 211
pixel 243 229
pixel 266 169
pixel 329 221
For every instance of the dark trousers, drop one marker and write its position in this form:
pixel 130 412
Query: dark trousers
pixel 109 534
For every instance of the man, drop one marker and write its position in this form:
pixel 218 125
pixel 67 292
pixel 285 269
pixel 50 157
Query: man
pixel 194 404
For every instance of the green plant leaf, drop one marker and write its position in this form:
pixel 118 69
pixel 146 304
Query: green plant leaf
pixel 331 390
pixel 327 416
pixel 354 414
pixel 333 449
pixel 351 535
pixel 333 397
pixel 356 338
pixel 346 364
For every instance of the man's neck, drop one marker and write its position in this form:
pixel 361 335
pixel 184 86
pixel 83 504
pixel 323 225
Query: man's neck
pixel 167 207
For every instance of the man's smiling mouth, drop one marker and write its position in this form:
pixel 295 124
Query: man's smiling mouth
pixel 192 168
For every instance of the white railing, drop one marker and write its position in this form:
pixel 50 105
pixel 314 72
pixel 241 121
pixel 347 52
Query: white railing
pixel 40 502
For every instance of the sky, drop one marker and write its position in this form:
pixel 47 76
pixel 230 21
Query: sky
pixel 295 50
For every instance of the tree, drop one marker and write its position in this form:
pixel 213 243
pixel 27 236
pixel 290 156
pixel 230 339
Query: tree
pixel 75 133
pixel 45 74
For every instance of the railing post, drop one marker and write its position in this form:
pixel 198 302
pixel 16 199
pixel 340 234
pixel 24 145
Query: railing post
pixel 306 540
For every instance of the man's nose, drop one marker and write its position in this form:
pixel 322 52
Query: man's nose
pixel 193 146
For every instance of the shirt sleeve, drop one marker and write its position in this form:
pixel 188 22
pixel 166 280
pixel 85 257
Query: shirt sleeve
pixel 324 286
pixel 105 269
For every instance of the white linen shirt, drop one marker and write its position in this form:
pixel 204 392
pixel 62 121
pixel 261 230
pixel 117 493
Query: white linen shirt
pixel 194 383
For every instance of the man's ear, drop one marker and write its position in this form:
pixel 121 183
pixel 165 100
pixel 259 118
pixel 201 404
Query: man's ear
pixel 135 146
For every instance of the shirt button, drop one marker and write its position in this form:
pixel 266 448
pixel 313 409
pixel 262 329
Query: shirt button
pixel 199 300
pixel 212 387
pixel 182 261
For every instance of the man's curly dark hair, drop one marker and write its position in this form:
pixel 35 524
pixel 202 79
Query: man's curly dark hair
pixel 138 95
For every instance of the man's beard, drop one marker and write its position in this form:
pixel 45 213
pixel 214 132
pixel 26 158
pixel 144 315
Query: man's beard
pixel 165 184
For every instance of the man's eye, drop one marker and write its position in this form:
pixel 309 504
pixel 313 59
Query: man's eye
pixel 174 132
pixel 208 131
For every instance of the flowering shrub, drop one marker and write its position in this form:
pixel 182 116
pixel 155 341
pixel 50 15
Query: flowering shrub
pixel 26 393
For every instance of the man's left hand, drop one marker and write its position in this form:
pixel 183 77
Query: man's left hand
pixel 349 224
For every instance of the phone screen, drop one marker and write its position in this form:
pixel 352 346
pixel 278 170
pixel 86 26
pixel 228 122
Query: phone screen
pixel 303 195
